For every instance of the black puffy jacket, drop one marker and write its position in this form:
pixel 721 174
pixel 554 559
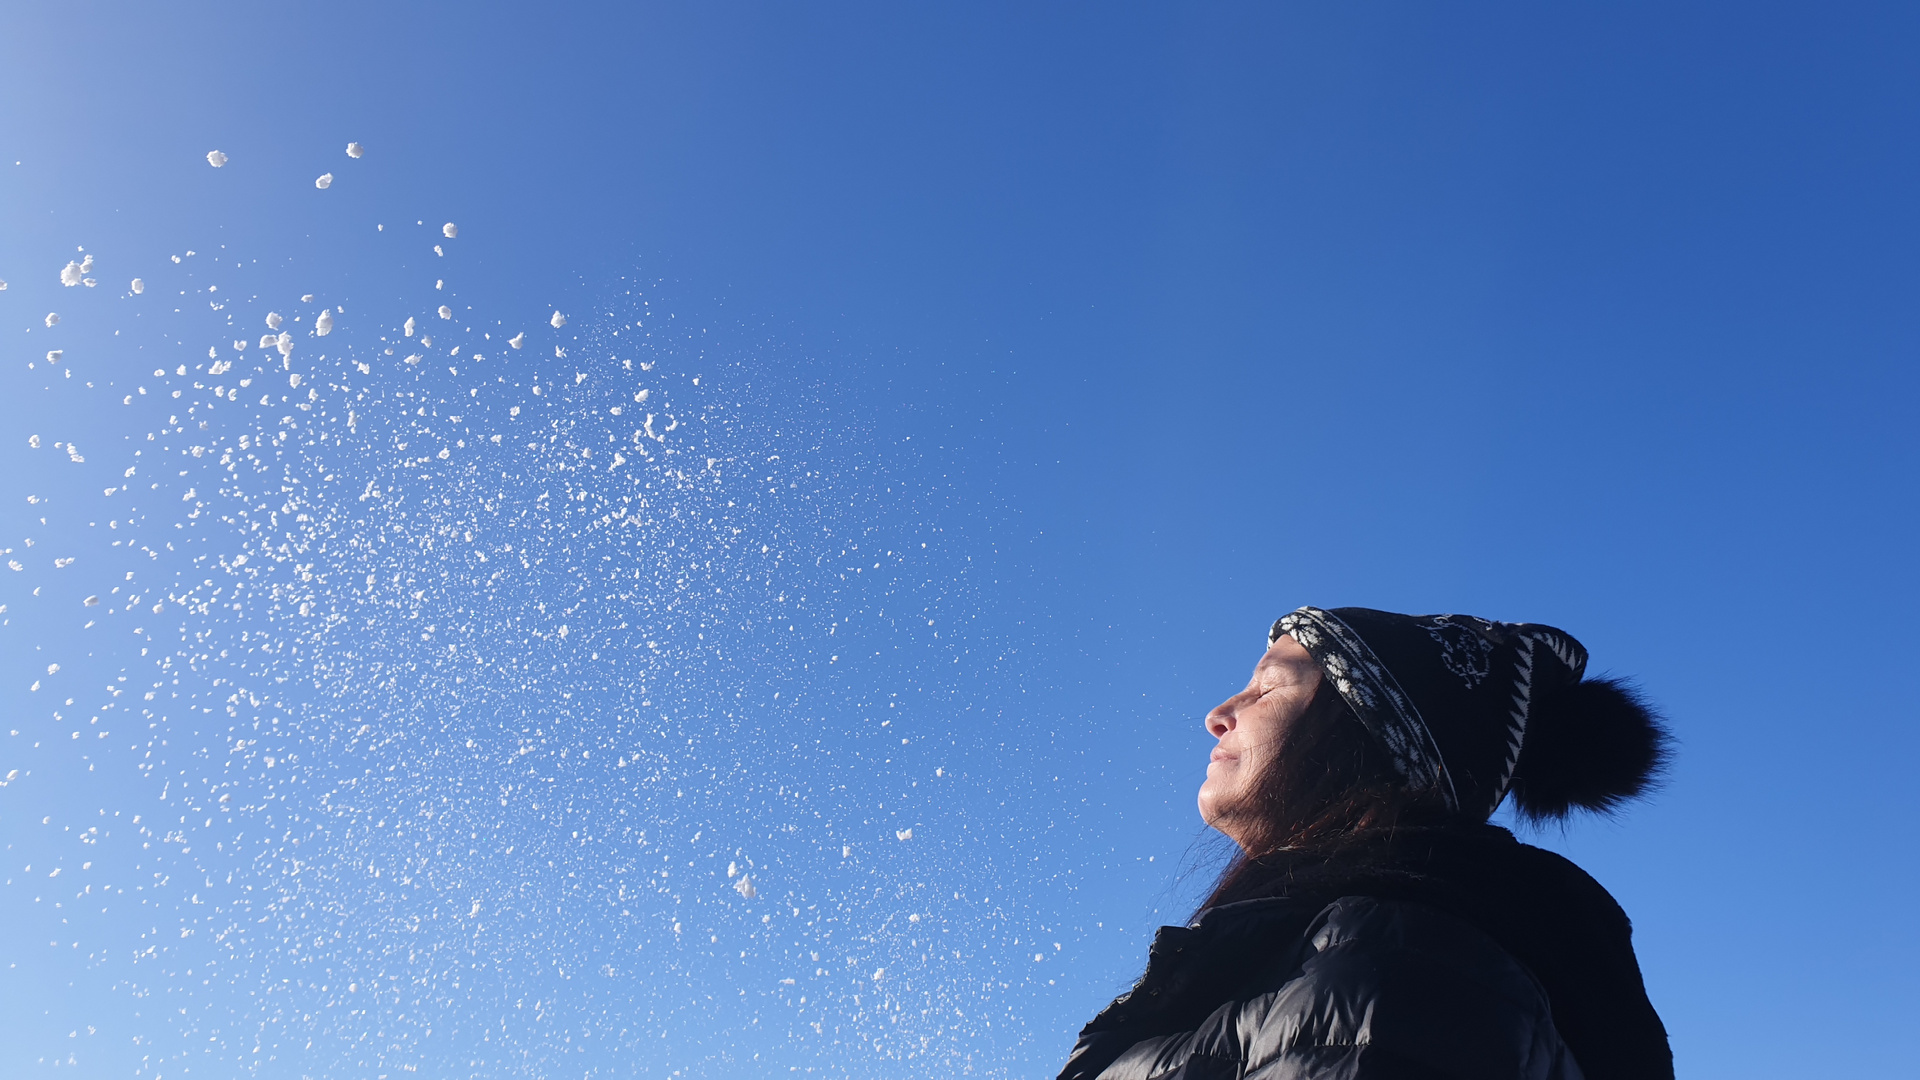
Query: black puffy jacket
pixel 1429 953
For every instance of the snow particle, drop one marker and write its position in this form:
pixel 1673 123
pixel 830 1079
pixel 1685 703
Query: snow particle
pixel 450 230
pixel 54 355
pixel 410 326
pixel 558 320
pixel 91 601
pixel 446 312
pixel 323 181
pixel 139 286
pixel 323 323
pixel 355 150
pixel 274 319
pixel 52 318
pixel 517 340
pixel 745 888
pixel 71 274
pixel 216 159
pixel 903 834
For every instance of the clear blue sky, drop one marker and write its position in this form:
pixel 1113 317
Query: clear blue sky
pixel 1149 322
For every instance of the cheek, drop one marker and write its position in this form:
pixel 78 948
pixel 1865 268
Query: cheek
pixel 1260 728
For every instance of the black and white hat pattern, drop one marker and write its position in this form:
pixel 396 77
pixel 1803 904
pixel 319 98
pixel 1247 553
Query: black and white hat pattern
pixel 1448 696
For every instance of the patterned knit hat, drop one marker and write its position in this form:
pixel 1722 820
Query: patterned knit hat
pixel 1472 708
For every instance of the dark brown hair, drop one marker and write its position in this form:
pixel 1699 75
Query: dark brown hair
pixel 1330 782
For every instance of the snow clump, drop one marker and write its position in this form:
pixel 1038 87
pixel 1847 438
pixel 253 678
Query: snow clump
pixel 52 318
pixel 216 159
pixel 139 286
pixel 71 273
pixel 518 339
pixel 323 323
pixel 323 181
pixel 274 319
pixel 355 150
pixel 446 312
pixel 450 230
pixel 558 320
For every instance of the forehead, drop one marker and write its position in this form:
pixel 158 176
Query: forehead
pixel 1285 657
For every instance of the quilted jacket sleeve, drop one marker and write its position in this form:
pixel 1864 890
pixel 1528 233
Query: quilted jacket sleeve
pixel 1394 990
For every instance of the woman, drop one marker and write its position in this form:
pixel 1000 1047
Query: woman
pixel 1375 925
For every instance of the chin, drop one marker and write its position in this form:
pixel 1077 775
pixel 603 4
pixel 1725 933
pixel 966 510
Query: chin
pixel 1208 802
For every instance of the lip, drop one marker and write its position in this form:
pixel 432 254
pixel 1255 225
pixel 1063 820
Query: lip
pixel 1222 755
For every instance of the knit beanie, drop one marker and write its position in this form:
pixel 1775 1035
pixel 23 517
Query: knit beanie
pixel 1474 709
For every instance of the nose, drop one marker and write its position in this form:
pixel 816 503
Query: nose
pixel 1222 720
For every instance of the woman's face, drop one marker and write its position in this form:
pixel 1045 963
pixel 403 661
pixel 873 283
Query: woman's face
pixel 1249 729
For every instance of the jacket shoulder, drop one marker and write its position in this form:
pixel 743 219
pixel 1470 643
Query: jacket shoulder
pixel 1397 988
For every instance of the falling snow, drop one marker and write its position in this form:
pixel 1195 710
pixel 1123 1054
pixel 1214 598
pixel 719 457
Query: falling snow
pixel 454 729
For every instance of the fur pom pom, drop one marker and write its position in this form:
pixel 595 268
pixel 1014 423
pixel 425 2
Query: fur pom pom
pixel 1591 746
